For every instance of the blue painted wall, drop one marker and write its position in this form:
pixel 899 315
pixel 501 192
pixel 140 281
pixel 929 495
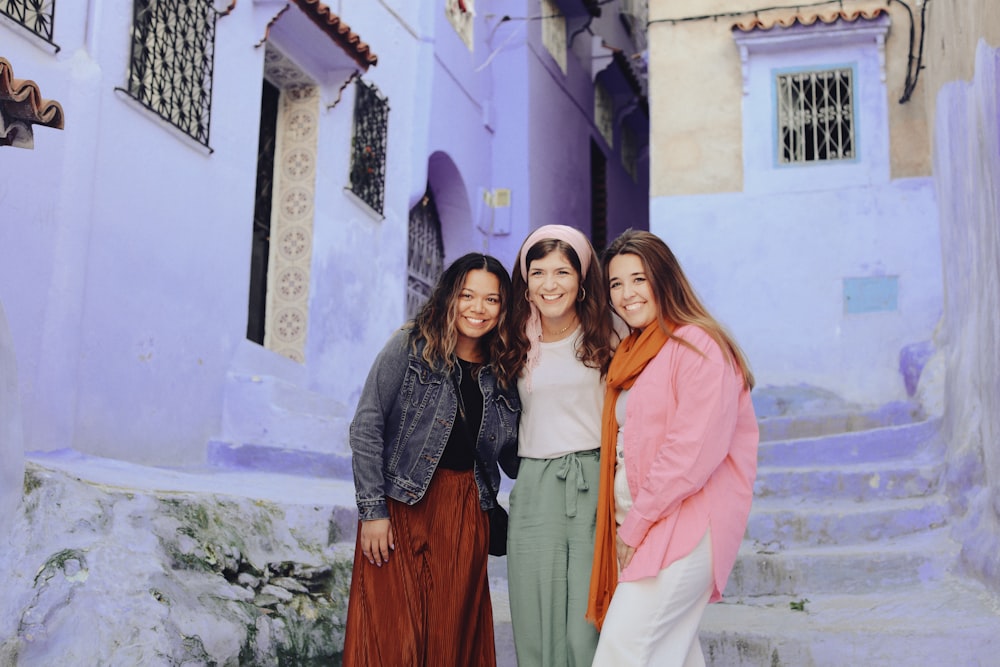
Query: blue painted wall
pixel 124 247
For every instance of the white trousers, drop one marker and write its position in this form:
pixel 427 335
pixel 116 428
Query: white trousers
pixel 654 621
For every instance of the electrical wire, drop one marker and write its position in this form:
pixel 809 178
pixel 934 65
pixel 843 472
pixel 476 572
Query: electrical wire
pixel 744 12
pixel 915 53
pixel 914 63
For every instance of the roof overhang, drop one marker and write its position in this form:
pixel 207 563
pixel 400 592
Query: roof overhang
pixel 21 107
pixel 319 40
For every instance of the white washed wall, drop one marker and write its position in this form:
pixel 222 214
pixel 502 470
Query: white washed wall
pixel 771 267
pixel 771 260
pixel 967 170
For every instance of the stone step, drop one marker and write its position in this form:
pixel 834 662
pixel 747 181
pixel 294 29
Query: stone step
pixel 273 458
pixel 272 411
pixel 779 523
pixel 879 444
pixel 952 621
pixel 833 420
pixel 182 566
pixel 858 482
pixel 890 563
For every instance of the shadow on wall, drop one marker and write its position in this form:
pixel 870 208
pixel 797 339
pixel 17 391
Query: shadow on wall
pixel 11 434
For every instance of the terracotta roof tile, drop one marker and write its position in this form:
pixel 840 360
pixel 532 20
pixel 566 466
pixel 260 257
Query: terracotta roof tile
pixel 21 106
pixel 339 31
pixel 787 21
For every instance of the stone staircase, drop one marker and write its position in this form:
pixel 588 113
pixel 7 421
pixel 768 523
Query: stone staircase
pixel 271 423
pixel 847 559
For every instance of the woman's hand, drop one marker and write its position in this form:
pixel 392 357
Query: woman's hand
pixel 625 553
pixel 377 541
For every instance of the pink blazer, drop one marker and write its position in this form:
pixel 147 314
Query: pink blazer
pixel 690 444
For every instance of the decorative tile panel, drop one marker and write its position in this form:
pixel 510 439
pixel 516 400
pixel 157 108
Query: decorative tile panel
pixel 294 197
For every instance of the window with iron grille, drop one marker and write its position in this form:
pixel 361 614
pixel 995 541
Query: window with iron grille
pixel 371 121
pixel 38 16
pixel 815 116
pixel 173 45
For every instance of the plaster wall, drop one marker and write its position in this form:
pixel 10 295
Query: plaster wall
pixel 778 260
pixel 128 267
pixel 967 173
pixel 358 285
pixel 125 245
pixel 772 268
pixel 695 94
pixel 952 45
pixel 11 434
pixel 45 230
pixel 561 128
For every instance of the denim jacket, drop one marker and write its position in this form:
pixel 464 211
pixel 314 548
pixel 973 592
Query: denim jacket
pixel 402 423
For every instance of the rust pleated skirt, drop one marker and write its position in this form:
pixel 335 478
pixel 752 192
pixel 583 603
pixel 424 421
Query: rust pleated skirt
pixel 430 604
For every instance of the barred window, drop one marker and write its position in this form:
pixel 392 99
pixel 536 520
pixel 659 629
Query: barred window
pixel 371 118
pixel 38 16
pixel 815 116
pixel 173 45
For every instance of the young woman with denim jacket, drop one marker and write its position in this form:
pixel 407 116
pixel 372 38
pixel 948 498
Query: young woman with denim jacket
pixel 440 397
pixel 678 462
pixel 562 331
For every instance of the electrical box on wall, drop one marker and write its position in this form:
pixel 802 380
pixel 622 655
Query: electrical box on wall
pixel 871 294
pixel 494 212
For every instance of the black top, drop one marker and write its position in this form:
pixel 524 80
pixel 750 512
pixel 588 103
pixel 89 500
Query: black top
pixel 457 453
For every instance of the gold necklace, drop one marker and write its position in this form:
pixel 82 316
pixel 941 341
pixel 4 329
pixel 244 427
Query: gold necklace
pixel 560 332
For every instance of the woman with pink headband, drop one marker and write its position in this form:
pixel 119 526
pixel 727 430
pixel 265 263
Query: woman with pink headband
pixel 563 334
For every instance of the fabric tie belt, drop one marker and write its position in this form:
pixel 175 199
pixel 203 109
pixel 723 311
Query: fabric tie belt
pixel 571 471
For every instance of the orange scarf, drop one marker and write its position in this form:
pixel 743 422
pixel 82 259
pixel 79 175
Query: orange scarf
pixel 630 359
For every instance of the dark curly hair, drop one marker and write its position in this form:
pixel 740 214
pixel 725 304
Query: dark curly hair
pixel 436 323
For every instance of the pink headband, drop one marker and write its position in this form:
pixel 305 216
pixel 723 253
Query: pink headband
pixel 574 237
pixel 533 327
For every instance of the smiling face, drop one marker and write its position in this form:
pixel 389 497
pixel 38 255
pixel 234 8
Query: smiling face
pixel 631 294
pixel 477 312
pixel 553 285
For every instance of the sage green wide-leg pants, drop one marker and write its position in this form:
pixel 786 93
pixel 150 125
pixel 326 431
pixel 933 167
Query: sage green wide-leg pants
pixel 550 549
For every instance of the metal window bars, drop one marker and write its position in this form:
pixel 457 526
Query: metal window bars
pixel 371 117
pixel 173 47
pixel 815 116
pixel 38 16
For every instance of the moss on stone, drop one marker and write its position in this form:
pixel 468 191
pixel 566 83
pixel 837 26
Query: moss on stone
pixel 31 481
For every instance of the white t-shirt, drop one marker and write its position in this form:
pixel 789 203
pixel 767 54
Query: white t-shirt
pixel 562 413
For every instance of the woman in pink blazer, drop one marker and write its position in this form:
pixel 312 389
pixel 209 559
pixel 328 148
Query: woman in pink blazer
pixel 678 461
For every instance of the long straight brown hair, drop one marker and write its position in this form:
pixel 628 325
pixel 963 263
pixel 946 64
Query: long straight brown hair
pixel 676 301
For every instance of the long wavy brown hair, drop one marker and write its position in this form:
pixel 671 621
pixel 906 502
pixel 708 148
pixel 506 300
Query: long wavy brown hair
pixel 594 311
pixel 676 301
pixel 436 323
